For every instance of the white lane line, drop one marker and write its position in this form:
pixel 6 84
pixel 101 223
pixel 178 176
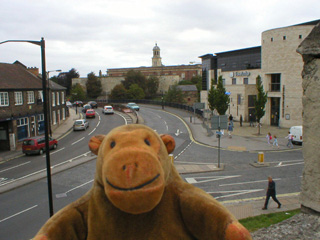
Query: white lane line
pixel 28 209
pixel 235 192
pixel 289 164
pixel 7 169
pixel 178 155
pixel 92 131
pixel 77 141
pixel 240 183
pixel 79 186
pixel 209 179
pixel 60 149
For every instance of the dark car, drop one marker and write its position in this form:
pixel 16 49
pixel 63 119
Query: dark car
pixel 86 107
pixel 78 104
pixel 93 104
pixel 37 145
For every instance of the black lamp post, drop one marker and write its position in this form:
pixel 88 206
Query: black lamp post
pixel 41 43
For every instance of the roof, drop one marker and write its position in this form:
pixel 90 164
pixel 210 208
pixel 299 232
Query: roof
pixel 55 86
pixel 187 88
pixel 16 76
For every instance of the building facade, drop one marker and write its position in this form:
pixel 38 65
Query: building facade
pixel 21 105
pixel 279 66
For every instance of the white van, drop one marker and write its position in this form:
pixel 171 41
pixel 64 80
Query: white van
pixel 296 132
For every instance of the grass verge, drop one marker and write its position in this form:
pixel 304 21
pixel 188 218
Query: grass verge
pixel 265 220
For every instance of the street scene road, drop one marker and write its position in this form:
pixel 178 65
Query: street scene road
pixel 24 209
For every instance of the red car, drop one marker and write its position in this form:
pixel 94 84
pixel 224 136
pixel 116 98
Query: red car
pixel 37 145
pixel 90 113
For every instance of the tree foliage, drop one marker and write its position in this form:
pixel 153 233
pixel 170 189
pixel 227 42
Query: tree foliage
pixel 94 87
pixel 118 92
pixel 260 101
pixel 77 93
pixel 174 95
pixel 65 79
pixel 152 85
pixel 134 77
pixel 218 98
pixel 135 92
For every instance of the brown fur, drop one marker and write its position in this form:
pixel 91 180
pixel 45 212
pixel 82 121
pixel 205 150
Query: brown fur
pixel 138 194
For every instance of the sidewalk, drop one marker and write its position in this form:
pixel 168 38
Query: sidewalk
pixel 244 138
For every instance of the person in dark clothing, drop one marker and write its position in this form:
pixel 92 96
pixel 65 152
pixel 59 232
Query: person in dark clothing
pixel 241 120
pixel 271 192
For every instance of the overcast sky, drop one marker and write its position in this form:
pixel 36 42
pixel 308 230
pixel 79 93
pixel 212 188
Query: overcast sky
pixel 100 34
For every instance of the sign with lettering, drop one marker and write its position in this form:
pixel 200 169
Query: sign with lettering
pixel 243 74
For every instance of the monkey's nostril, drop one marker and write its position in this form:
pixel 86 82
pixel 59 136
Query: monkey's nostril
pixel 136 164
pixel 124 167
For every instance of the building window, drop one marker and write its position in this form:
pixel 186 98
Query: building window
pixel 4 99
pixel 58 98
pixel 275 85
pixel 54 118
pixel 22 128
pixel 40 95
pixel 223 81
pixel 53 99
pixel 234 81
pixel 246 81
pixel 62 97
pixel 18 99
pixel 239 99
pixel 63 114
pixel 41 123
pixel 284 37
pixel 272 39
pixel 300 36
pixel 30 95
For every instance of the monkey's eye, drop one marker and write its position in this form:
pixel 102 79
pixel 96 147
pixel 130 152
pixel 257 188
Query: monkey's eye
pixel 147 142
pixel 112 144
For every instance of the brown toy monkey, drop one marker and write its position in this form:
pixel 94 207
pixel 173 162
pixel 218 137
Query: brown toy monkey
pixel 138 194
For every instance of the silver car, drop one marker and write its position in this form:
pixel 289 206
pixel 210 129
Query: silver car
pixel 81 124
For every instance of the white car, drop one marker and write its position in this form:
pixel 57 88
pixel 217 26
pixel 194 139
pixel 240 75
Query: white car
pixel 80 124
pixel 108 110
pixel 68 104
pixel 296 132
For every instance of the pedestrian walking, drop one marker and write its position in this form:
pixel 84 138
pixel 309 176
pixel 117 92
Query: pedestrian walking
pixel 241 120
pixel 269 137
pixel 230 129
pixel 290 137
pixel 271 192
pixel 275 141
pixel 251 120
pixel 231 119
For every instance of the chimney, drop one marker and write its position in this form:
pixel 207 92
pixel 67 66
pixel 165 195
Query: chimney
pixel 34 70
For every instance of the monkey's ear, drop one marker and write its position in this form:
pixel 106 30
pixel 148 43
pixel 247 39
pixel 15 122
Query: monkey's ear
pixel 95 143
pixel 169 142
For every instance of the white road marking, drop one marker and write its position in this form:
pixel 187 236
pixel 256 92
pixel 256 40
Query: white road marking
pixel 289 164
pixel 92 131
pixel 235 192
pixel 240 183
pixel 209 179
pixel 178 155
pixel 77 141
pixel 28 209
pixel 60 149
pixel 7 169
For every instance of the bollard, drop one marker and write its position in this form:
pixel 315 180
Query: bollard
pixel 191 119
pixel 171 157
pixel 260 157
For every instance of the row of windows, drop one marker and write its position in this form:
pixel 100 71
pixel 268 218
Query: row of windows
pixel 18 98
pixel 285 38
pixel 245 81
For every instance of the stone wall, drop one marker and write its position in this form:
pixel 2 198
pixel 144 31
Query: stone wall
pixel 310 51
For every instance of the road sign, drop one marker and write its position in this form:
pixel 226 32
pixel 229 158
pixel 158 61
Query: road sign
pixel 219 122
pixel 198 105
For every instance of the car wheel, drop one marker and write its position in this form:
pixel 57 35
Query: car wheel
pixel 40 151
pixel 55 146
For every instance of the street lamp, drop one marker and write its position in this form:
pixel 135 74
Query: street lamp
pixel 41 43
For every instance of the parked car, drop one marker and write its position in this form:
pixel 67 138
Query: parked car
pixel 37 145
pixel 296 132
pixel 68 104
pixel 80 124
pixel 108 110
pixel 133 106
pixel 86 107
pixel 90 113
pixel 93 104
pixel 78 103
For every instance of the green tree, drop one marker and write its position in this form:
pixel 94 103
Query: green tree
pixel 65 79
pixel 94 87
pixel 174 95
pixel 118 92
pixel 135 92
pixel 220 99
pixel 77 93
pixel 260 101
pixel 134 77
pixel 152 85
pixel 211 97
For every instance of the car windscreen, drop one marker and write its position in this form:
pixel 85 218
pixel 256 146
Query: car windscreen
pixel 78 122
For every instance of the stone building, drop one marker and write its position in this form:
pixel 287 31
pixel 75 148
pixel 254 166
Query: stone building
pixel 168 75
pixel 21 104
pixel 279 66
pixel 190 94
